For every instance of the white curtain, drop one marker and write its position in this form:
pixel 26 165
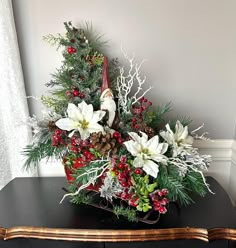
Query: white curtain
pixel 13 105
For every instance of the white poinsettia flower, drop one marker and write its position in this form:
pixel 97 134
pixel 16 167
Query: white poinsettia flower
pixel 82 119
pixel 147 152
pixel 180 139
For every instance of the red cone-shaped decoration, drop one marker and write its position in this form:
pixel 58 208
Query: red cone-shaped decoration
pixel 105 77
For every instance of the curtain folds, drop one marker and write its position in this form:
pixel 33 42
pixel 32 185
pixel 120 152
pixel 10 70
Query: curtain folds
pixel 14 135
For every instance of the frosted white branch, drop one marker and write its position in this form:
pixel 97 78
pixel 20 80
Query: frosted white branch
pixel 128 83
pixel 199 137
pixel 97 171
pixel 185 166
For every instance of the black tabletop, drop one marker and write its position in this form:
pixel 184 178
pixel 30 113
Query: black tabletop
pixel 35 202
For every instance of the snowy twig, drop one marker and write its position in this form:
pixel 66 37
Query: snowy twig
pixel 199 137
pixel 98 171
pixel 126 83
pixel 185 166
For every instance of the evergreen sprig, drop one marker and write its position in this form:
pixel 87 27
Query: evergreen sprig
pixel 35 153
pixel 81 198
pixel 127 212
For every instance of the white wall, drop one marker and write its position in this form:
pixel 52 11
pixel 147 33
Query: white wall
pixel 190 46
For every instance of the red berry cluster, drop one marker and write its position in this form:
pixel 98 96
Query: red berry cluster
pixel 122 171
pixel 159 200
pixel 118 138
pixel 75 93
pixel 71 50
pixel 138 111
pixel 59 138
pixel 77 145
pixel 83 160
pixel 130 197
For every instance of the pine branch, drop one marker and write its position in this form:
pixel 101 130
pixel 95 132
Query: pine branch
pixel 169 178
pixel 155 117
pixel 35 153
pixel 127 212
pixel 81 199
pixel 185 121
pixel 194 183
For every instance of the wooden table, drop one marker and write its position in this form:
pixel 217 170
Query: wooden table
pixel 31 216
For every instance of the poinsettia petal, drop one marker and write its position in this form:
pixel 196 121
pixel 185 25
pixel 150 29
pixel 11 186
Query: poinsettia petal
pixel 87 111
pixel 138 162
pixel 65 124
pixel 162 148
pixel 153 143
pixel 97 116
pixel 135 136
pixel 151 168
pixel 84 133
pixel 73 112
pixel 143 138
pixel 95 128
pixel 132 146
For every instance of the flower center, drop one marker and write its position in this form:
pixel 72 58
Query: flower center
pixel 145 153
pixel 84 124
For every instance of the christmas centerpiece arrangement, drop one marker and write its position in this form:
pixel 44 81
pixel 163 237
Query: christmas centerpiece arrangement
pixel 118 152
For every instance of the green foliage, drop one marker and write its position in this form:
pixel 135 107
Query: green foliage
pixel 81 198
pixel 169 178
pixel 127 212
pixel 185 121
pixel 35 153
pixel 154 117
pixel 142 188
pixel 195 184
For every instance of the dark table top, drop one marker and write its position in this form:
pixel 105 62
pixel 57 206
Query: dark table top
pixel 34 202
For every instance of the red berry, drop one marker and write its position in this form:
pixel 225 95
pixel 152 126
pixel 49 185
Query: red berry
pixel 122 175
pixel 129 169
pixel 150 103
pixel 58 132
pixel 87 153
pixel 71 50
pixel 164 201
pixel 138 171
pixel 134 120
pixel 123 159
pixel 124 196
pixel 160 193
pixel 164 191
pixel 124 184
pixel 145 100
pixel 136 126
pixel 121 166
pixel 134 202
pixel 82 95
pixel 141 99
pixel 162 210
pixel 116 173
pixel 116 135
pixel 75 92
pixel 120 140
pixel 68 93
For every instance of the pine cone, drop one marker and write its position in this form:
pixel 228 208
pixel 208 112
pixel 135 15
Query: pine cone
pixel 149 131
pixel 52 126
pixel 105 144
